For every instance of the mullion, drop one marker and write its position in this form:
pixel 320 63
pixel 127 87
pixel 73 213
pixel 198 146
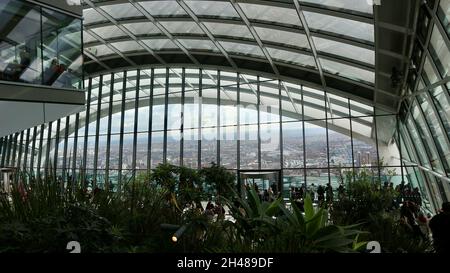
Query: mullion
pixel 75 148
pixel 86 133
pixel 13 157
pixel 97 129
pixel 304 140
pixel 41 140
pixel 108 136
pixel 150 122
pixel 280 185
pixel 1 150
pixel 238 132
pixel 136 118
pixel 397 123
pixel 166 111
pixel 55 154
pixel 8 150
pixel 49 141
pixel 351 137
pixel 280 116
pixel 200 106
pixel 258 109
pixel 27 143
pixel 183 90
pixel 122 121
pixel 327 133
pixel 218 120
pixel 64 163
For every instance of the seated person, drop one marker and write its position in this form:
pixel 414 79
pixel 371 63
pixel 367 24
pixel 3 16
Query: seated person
pixel 51 73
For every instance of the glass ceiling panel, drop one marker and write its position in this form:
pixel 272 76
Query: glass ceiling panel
pixel 109 32
pixel 92 16
pixel 163 8
pixel 99 50
pixel 291 57
pixel 321 22
pixel 233 30
pixel 127 46
pixel 245 49
pixel 348 71
pixel 213 8
pixel 283 37
pixel 88 38
pixel 142 28
pixel 184 27
pixel 121 11
pixel 364 6
pixel 271 14
pixel 345 50
pixel 198 44
pixel 159 44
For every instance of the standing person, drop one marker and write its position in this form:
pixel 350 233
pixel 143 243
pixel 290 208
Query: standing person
pixel 320 195
pixel 440 228
pixel 341 191
pixel 422 220
pixel 329 192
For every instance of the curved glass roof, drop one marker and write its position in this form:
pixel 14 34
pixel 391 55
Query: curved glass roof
pixel 328 40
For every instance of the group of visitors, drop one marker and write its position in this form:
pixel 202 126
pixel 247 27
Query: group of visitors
pixel 268 195
pixel 323 194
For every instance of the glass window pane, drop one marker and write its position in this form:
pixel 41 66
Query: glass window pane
pixel 157 149
pixel 293 145
pixel 173 147
pixel 160 44
pixel 183 27
pixel 109 32
pixel 426 138
pixel 249 147
pixel 100 50
pixel 198 44
pixel 283 37
pixel 316 144
pixel 325 23
pixel 163 8
pixel 91 16
pixel 143 28
pixel 228 147
pixel 190 149
pixel 292 57
pixel 348 71
pixel 345 50
pixel 127 46
pixel 121 11
pixel 442 103
pixel 244 49
pixel 440 52
pixel 429 75
pixel 444 15
pixel 234 30
pixel 62 49
pixel 352 5
pixel 340 144
pixel 271 14
pixel 141 151
pixel 210 8
pixel 438 135
pixel 209 146
pixel 270 146
pixel 20 58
